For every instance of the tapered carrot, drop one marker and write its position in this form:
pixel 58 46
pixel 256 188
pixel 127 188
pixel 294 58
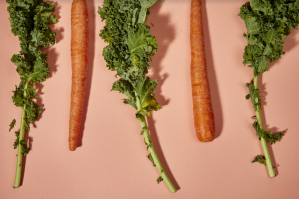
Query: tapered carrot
pixel 79 45
pixel 202 104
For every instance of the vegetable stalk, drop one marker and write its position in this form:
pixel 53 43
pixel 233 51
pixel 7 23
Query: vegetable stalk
pixel 29 21
pixel 268 161
pixel 268 22
pixel 155 158
pixel 129 53
pixel 20 149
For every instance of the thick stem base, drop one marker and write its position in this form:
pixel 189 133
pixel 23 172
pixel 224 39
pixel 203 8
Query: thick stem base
pixel 267 156
pixel 154 155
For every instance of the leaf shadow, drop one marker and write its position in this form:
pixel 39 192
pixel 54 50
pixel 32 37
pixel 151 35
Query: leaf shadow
pixel 91 56
pixel 52 53
pixel 290 41
pixel 288 45
pixel 164 32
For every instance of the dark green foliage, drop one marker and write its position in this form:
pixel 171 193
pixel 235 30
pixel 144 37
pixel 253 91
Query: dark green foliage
pixel 268 22
pixel 23 144
pixel 160 179
pixel 25 148
pixel 12 124
pixel 129 52
pixel 16 143
pixel 29 21
pixel 260 159
pixel 266 134
pixel 122 33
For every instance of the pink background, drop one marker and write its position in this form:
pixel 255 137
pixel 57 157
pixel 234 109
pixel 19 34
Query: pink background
pixel 111 160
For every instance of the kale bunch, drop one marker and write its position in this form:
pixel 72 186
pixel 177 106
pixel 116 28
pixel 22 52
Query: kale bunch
pixel 29 21
pixel 268 23
pixel 129 53
pixel 130 50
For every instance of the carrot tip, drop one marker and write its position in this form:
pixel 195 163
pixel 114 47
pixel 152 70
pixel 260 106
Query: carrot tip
pixel 73 147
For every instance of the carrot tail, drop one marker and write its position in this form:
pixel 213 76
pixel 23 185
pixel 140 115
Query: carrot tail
pixel 79 45
pixel 202 104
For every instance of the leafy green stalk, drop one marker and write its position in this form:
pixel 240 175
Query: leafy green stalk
pixel 154 157
pixel 268 22
pixel 20 136
pixel 267 156
pixel 129 53
pixel 29 20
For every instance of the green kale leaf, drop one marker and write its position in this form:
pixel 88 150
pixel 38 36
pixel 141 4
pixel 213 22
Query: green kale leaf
pixel 16 143
pixel 145 5
pixel 12 124
pixel 266 134
pixel 129 52
pixel 259 159
pixel 160 179
pixel 29 21
pixel 267 23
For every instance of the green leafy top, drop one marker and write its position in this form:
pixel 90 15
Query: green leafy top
pixel 268 22
pixel 130 49
pixel 29 21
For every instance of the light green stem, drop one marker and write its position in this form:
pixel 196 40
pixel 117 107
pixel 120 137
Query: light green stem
pixel 154 155
pixel 20 151
pixel 269 165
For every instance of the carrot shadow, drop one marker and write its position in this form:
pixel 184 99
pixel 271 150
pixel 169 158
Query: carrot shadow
pixel 91 50
pixel 164 32
pixel 217 108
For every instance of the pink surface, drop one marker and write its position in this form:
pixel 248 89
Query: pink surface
pixel 111 160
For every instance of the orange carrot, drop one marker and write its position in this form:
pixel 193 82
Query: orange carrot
pixel 202 104
pixel 79 45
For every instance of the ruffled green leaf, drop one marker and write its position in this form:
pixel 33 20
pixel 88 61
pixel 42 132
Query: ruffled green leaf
pixel 145 5
pixel 266 134
pixel 12 124
pixel 29 20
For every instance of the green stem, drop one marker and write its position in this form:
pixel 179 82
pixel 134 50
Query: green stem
pixel 20 151
pixel 269 165
pixel 154 155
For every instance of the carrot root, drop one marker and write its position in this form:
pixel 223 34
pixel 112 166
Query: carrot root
pixel 202 104
pixel 79 45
